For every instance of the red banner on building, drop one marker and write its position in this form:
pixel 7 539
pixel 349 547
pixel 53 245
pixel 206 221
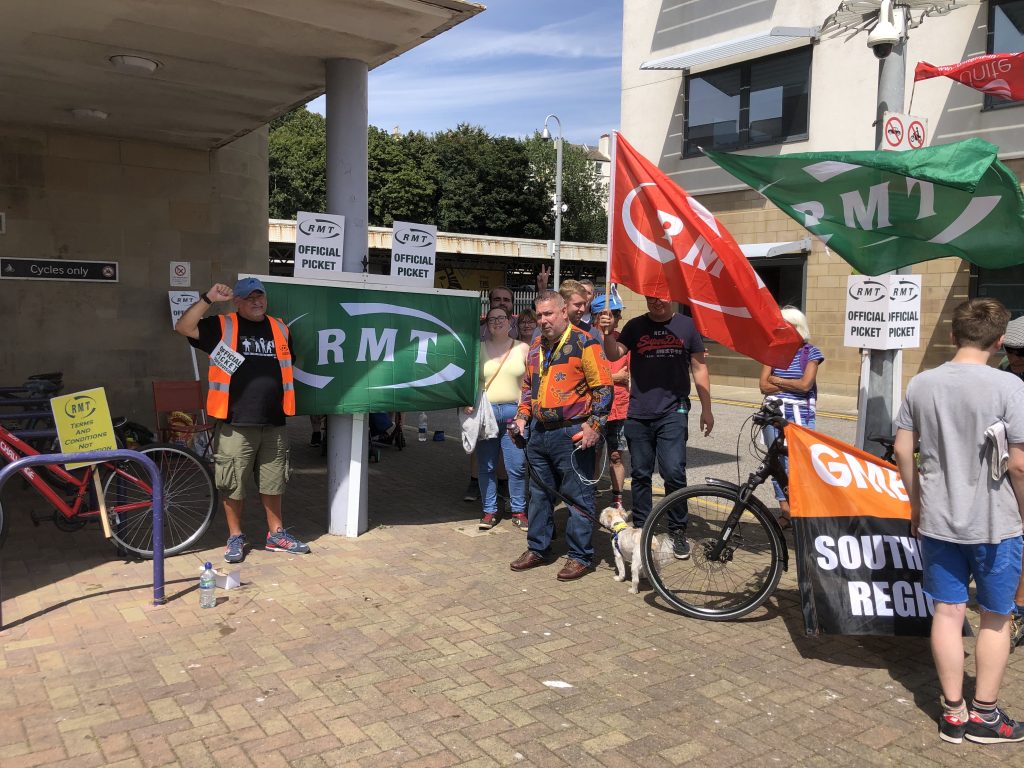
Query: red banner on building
pixel 997 74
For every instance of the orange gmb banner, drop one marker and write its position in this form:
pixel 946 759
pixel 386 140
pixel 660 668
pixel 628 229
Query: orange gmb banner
pixel 830 478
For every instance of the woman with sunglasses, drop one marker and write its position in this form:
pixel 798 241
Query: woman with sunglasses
pixel 502 367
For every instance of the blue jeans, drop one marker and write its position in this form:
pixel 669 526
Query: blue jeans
pixel 487 464
pixel 770 433
pixel 551 458
pixel 664 438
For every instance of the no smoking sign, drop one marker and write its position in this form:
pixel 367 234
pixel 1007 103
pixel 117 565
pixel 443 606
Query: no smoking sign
pixel 901 131
pixel 181 274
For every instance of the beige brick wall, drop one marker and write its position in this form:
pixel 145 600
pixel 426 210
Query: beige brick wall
pixel 142 205
pixel 752 219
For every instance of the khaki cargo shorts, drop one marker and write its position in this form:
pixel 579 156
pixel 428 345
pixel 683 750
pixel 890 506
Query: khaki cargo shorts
pixel 239 451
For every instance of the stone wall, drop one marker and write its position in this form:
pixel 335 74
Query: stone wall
pixel 80 197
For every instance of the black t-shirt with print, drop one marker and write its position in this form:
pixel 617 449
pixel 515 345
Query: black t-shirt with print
pixel 659 363
pixel 254 398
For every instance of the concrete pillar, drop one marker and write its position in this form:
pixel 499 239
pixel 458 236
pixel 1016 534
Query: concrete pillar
pixel 347 120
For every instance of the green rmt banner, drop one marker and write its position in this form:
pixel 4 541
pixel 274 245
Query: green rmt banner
pixel 361 346
pixel 885 210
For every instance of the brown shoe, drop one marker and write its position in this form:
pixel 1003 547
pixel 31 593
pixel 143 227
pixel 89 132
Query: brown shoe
pixel 572 570
pixel 526 561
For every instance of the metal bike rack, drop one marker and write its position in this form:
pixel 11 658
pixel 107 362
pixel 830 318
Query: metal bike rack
pixel 102 456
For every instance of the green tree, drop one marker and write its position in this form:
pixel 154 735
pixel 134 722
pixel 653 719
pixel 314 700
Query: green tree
pixel 462 180
pixel 585 219
pixel 399 184
pixel 297 160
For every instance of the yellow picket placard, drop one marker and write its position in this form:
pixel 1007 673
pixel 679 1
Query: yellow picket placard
pixel 83 423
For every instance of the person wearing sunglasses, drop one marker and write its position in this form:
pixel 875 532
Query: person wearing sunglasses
pixel 502 367
pixel 1013 346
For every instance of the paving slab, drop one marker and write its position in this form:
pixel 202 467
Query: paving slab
pixel 415 644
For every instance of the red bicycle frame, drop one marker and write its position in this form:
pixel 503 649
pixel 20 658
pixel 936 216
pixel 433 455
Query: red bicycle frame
pixel 13 448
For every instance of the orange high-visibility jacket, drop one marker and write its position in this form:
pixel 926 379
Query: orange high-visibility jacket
pixel 220 380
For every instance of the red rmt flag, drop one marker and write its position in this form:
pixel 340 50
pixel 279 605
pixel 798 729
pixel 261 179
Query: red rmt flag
pixel 997 74
pixel 664 243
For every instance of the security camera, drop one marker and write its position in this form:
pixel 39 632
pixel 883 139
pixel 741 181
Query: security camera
pixel 888 30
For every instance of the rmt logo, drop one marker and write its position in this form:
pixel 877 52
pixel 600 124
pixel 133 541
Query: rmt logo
pixel 412 237
pixel 323 229
pixel 869 290
pixel 80 407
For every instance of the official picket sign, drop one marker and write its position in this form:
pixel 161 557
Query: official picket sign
pixel 83 423
pixel 413 252
pixel 58 269
pixel 883 312
pixel 858 566
pixel 367 344
pixel 181 301
pixel 319 242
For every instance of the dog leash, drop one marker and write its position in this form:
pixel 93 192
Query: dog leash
pixel 569 502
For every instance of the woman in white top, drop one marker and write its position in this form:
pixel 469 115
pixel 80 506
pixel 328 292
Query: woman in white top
pixel 502 368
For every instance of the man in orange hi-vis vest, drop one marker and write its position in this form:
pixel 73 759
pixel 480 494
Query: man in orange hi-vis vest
pixel 251 393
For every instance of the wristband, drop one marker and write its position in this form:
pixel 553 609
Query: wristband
pixel 205 298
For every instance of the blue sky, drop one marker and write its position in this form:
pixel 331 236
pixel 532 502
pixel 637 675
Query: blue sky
pixel 506 69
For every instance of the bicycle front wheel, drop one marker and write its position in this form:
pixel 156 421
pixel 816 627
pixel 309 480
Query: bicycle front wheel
pixel 190 500
pixel 725 587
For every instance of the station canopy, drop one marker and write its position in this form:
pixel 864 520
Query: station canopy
pixel 193 73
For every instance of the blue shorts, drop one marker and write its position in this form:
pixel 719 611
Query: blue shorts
pixel 614 435
pixel 996 568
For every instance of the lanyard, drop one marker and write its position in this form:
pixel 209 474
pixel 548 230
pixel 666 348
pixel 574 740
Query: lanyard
pixel 545 363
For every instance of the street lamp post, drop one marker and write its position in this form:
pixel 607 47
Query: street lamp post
pixel 546 134
pixel 882 369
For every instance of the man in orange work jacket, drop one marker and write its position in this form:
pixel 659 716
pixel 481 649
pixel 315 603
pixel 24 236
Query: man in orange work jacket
pixel 251 392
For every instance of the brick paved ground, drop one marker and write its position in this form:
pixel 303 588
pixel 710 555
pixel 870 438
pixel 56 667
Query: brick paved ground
pixel 415 645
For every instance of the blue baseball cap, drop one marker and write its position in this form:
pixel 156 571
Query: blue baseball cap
pixel 247 286
pixel 598 304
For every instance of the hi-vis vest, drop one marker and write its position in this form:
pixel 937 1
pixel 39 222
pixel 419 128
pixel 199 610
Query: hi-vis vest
pixel 220 380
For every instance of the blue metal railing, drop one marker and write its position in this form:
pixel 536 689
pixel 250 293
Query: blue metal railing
pixel 119 455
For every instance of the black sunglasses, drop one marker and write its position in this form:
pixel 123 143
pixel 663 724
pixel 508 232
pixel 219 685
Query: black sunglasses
pixel 1019 351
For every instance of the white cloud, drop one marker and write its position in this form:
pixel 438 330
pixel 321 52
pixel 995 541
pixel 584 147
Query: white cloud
pixel 563 40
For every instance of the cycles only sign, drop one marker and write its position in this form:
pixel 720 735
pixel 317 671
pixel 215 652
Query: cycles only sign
pixel 58 269
pixel 883 312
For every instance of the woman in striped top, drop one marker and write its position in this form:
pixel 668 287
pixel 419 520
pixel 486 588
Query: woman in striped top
pixel 794 389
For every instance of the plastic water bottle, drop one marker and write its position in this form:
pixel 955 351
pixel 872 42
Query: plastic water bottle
pixel 422 431
pixel 208 588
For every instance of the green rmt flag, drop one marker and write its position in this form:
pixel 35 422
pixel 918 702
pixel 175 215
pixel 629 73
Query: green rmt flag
pixel 882 210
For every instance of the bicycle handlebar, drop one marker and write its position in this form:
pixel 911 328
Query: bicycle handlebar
pixel 770 415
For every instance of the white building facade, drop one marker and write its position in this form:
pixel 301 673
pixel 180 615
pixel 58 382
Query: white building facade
pixel 755 77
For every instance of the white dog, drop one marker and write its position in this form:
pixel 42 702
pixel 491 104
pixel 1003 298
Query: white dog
pixel 626 545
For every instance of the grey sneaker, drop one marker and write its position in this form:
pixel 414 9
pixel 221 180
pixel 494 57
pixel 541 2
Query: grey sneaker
pixel 282 541
pixel 472 491
pixel 680 546
pixel 235 550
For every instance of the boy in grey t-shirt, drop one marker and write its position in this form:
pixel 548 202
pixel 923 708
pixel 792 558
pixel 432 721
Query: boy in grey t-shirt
pixel 969 523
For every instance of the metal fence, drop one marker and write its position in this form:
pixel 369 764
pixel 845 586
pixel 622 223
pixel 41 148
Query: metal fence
pixel 521 300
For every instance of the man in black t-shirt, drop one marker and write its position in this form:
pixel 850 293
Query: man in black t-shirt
pixel 664 350
pixel 251 392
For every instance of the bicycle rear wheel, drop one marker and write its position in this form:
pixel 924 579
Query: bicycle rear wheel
pixel 190 500
pixel 731 586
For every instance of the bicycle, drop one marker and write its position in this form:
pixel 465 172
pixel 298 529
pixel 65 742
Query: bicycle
pixel 190 496
pixel 737 549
